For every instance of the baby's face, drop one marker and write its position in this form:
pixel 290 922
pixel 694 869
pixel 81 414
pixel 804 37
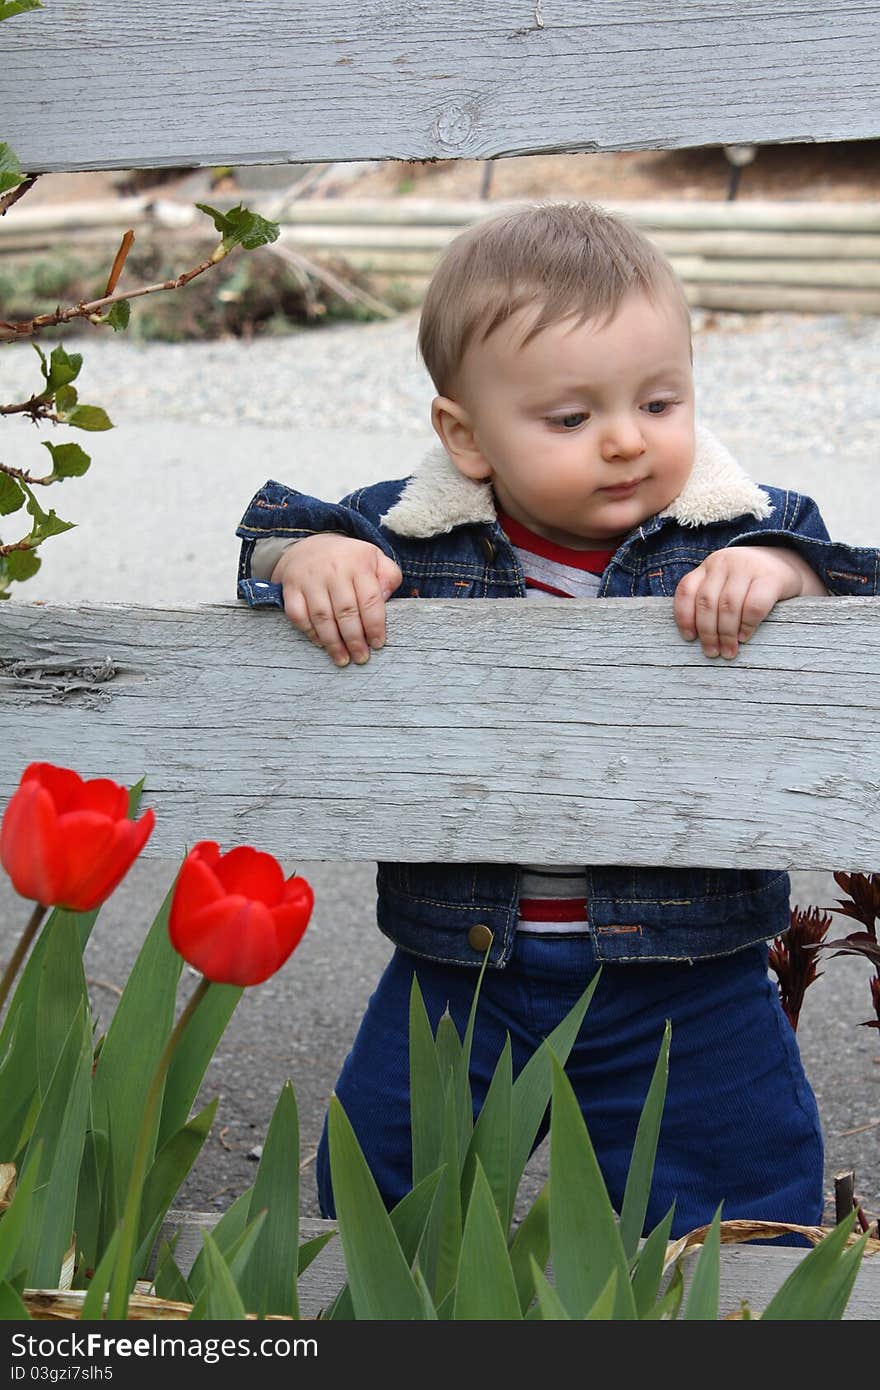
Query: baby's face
pixel 587 430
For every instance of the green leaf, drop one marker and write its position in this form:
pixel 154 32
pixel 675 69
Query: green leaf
pixel 16 1216
pixel 89 417
pixel 66 398
pixel 222 1299
pixel 448 1047
pixel 532 1088
pixel 440 1247
pixel 485 1288
pixel 584 1240
pixel 531 1245
pixel 641 1167
pixel 814 1289
pixel 239 227
pixel 378 1274
pixel 11 495
pixel 408 1220
pixel 702 1299
pixel 192 1055
pixel 61 368
pixel 12 1306
pixel 10 7
pixel 170 1167
pixel 45 523
pixel 429 1311
pixel 93 1303
pixel 310 1250
pixel 224 1235
pixel 56 1148
pixel 10 169
pixel 490 1140
pixel 269 1286
pixel 603 1309
pixel 135 1039
pixel 426 1089
pixel 169 1281
pixel 22 564
pixel 648 1274
pixel 92 1175
pixel 667 1307
pixel 119 315
pixel 237 1259
pixel 68 460
pixel 62 993
pixel 549 1307
pixel 462 1072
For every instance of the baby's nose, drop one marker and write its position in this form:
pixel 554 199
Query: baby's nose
pixel 622 439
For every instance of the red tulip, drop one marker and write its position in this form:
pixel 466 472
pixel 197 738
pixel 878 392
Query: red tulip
pixel 67 843
pixel 233 916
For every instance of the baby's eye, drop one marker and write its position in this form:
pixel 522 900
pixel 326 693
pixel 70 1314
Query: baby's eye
pixel 572 420
pixel 658 407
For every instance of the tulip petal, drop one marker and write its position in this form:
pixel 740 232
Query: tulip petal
pixel 100 854
pixel 291 920
pixel 253 873
pixel 30 846
pixel 106 797
pixel 196 888
pixel 63 784
pixel 232 941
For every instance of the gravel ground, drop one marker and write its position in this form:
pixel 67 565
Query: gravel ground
pixel 200 426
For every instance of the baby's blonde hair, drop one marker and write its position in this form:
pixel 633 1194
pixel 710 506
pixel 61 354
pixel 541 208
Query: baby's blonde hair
pixel 569 258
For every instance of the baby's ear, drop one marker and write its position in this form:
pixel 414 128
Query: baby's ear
pixel 456 434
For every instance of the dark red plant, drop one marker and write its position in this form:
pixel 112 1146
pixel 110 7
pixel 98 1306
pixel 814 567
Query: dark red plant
pixel 793 958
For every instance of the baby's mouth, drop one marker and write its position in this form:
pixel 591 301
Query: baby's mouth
pixel 623 489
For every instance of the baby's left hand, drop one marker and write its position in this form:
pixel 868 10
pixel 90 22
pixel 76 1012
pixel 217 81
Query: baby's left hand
pixel 725 598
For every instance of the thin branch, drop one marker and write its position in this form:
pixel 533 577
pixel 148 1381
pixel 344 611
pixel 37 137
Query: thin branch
pixel 119 261
pixel 38 408
pixel 15 193
pixel 12 332
pixel 17 545
pixel 24 477
pixel 347 292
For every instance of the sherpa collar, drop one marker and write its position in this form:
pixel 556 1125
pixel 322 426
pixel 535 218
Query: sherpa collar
pixel 437 497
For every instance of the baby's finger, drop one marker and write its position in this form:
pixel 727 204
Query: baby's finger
pixel 759 601
pixel 684 605
pixel 371 603
pixel 731 601
pixel 347 617
pixel 706 614
pixel 322 618
pixel 297 610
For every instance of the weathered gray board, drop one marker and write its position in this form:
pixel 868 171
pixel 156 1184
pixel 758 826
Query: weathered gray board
pixel 141 83
pixel 750 1273
pixel 581 732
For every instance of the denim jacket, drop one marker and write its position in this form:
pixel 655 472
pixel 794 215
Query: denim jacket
pixel 442 530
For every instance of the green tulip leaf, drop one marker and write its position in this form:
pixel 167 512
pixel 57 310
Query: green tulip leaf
pixel 169 1281
pixel 819 1286
pixel 379 1277
pixel 549 1307
pixel 62 992
pixel 603 1309
pixel 192 1055
pixel 648 1274
pixel 702 1299
pixel 440 1246
pixel 55 1149
pixel 222 1301
pixel 89 1206
pixel 170 1167
pixel 135 1040
pixel 236 1259
pixel 485 1288
pixel 584 1239
pixel 426 1089
pixel 12 1306
pixel 490 1140
pixel 93 1303
pixel 269 1284
pixel 667 1306
pixel 408 1220
pixel 641 1168
pixel 10 169
pixel 531 1246
pixel 17 1215
pixel 533 1085
pixel 311 1249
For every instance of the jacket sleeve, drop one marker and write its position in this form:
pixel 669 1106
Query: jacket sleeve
pixel 278 512
pixel 843 569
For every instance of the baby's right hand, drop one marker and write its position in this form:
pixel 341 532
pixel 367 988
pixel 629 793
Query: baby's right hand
pixel 335 588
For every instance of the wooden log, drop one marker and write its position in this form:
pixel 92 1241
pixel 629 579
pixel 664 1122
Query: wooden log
pixel 861 275
pixel 481 725
pixel 790 299
pixel 122 85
